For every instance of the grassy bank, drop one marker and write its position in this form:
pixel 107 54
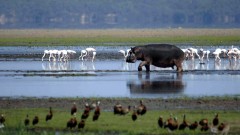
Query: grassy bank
pixel 109 123
pixel 44 37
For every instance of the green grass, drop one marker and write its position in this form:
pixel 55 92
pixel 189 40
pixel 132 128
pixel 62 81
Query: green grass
pixel 44 37
pixel 104 41
pixel 109 123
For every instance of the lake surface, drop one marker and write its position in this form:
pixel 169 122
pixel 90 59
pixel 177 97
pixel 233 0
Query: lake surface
pixel 22 73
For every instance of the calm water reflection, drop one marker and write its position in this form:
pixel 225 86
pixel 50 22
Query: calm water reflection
pixel 111 76
pixel 163 84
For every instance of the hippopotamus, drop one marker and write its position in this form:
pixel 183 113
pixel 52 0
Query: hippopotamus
pixel 159 55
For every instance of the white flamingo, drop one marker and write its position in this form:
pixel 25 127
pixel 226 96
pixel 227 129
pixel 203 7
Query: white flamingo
pixel 207 52
pixel 83 54
pixel 125 54
pixel 52 53
pixel 94 54
pixel 45 53
pixel 89 50
pixel 217 53
pixel 192 52
pixel 64 55
pixel 70 52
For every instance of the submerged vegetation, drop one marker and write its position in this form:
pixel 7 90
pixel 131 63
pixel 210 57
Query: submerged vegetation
pixel 44 37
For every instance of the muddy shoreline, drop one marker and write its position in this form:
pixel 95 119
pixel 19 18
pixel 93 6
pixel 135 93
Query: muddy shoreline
pixel 208 103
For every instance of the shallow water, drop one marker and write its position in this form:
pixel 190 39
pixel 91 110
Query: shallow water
pixel 110 76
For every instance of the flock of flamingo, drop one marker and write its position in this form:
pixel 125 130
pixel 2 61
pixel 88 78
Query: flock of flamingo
pixel 231 53
pixel 171 124
pixel 190 54
pixel 64 55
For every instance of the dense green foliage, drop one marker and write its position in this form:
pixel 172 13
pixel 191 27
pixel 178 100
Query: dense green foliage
pixel 119 14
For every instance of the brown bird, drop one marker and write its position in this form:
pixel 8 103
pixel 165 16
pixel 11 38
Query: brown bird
pixel 117 108
pixel 81 124
pixel 134 114
pixel 35 120
pixel 49 115
pixel 142 109
pixel 215 120
pixel 96 112
pixel 69 123
pixel 74 121
pixel 2 120
pixel 205 127
pixel 160 122
pixel 26 121
pixel 203 122
pixel 171 123
pixel 86 112
pixel 193 126
pixel 184 123
pixel 223 128
pixel 125 111
pixel 74 108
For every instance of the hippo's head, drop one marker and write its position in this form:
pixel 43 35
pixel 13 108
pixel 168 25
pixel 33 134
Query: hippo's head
pixel 134 55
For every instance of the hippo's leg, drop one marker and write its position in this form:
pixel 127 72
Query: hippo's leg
pixel 178 64
pixel 147 68
pixel 144 63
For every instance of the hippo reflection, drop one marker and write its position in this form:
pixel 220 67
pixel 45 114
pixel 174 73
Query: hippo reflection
pixel 165 84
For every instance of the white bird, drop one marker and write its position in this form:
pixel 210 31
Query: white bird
pixel 125 54
pixel 217 53
pixel 53 53
pixel 70 52
pixel 45 53
pixel 64 55
pixel 94 54
pixel 207 52
pixel 83 54
pixel 192 52
pixel 90 49
pixel 186 53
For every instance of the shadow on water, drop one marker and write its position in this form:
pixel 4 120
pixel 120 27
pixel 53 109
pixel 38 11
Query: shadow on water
pixel 164 84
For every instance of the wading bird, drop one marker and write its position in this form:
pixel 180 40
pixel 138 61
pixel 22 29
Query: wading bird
pixel 74 108
pixel 134 114
pixel 86 111
pixel 83 54
pixel 193 126
pixel 2 120
pixel 125 54
pixel 96 112
pixel 142 109
pixel 26 121
pixel 215 120
pixel 81 124
pixel 160 122
pixel 117 108
pixel 184 123
pixel 35 120
pixel 49 115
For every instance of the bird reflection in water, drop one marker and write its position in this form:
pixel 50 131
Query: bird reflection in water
pixel 163 84
pixel 56 65
pixel 87 65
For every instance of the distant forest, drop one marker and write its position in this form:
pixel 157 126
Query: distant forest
pixel 85 14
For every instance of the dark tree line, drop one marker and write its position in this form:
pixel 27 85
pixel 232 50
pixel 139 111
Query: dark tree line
pixel 119 13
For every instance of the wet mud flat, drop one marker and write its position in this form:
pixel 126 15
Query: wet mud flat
pixel 210 103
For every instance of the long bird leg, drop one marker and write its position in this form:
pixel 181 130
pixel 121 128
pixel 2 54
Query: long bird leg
pixel 43 56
